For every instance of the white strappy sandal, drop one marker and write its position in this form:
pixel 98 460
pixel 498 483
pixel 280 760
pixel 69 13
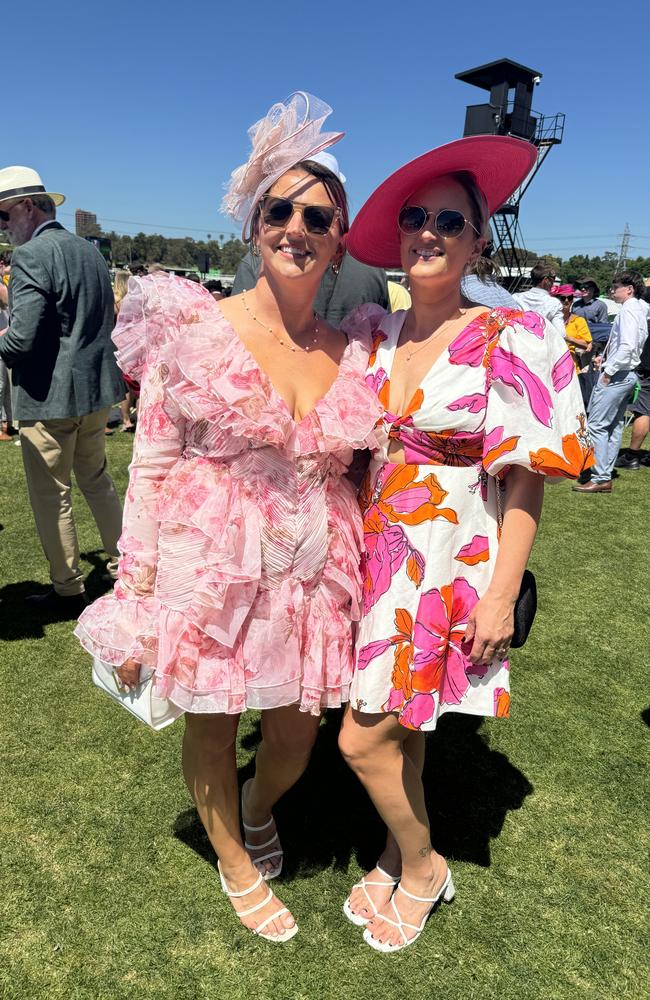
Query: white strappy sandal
pixel 445 892
pixel 286 935
pixel 277 853
pixel 356 918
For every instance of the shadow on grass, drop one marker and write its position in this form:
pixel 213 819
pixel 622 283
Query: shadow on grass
pixel 645 716
pixel 327 818
pixel 19 620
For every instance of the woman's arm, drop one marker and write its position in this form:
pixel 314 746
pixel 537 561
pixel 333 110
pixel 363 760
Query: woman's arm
pixel 491 623
pixel 158 446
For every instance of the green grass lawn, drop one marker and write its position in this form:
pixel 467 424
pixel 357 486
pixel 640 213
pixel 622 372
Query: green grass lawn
pixel 108 884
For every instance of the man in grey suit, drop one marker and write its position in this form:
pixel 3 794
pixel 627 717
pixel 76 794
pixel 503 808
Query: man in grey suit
pixel 65 379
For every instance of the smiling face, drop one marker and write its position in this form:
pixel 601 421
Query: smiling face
pixel 290 252
pixel 428 258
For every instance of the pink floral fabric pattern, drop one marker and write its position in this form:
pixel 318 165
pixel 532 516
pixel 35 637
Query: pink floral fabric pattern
pixel 239 572
pixel 503 393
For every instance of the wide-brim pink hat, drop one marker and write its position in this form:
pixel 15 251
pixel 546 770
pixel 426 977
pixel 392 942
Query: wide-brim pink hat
pixel 498 164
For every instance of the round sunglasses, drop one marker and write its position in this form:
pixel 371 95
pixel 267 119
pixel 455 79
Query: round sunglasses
pixel 448 223
pixel 317 219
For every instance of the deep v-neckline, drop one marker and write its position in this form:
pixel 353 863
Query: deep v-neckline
pixel 409 411
pixel 271 390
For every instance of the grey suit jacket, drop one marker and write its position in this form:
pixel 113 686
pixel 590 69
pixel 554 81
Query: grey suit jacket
pixel 58 344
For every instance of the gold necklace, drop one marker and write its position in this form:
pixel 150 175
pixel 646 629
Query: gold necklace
pixel 433 336
pixel 289 347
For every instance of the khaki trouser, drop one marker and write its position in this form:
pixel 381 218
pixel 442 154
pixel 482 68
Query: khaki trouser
pixel 52 450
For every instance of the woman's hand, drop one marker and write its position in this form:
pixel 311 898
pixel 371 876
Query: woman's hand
pixel 489 629
pixel 129 674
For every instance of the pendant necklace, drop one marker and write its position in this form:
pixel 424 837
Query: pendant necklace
pixel 280 340
pixel 433 336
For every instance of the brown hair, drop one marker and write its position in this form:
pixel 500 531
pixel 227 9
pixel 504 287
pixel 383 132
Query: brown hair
pixel 631 278
pixel 539 272
pixel 476 198
pixel 332 184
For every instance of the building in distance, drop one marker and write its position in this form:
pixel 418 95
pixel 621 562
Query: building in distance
pixel 85 223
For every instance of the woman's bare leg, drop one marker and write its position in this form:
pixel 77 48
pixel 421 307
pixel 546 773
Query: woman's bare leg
pixel 375 748
pixel 288 736
pixel 210 771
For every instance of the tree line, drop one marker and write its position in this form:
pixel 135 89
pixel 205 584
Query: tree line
pixel 188 252
pixel 182 252
pixel 601 268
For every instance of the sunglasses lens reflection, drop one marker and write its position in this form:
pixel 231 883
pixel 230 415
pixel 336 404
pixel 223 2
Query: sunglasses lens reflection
pixel 318 218
pixel 449 223
pixel 412 219
pixel 276 212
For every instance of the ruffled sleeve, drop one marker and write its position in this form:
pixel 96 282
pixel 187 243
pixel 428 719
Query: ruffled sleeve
pixel 364 323
pixel 124 623
pixel 155 311
pixel 535 416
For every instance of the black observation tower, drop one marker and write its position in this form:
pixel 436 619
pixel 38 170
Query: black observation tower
pixel 508 112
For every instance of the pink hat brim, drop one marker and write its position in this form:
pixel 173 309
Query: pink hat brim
pixel 499 164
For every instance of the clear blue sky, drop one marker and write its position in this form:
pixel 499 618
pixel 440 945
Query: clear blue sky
pixel 139 111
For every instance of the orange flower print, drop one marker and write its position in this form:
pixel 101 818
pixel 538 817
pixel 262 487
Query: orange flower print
pixel 501 703
pixel 575 458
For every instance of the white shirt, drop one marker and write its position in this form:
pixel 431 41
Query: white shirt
pixel 629 332
pixel 539 301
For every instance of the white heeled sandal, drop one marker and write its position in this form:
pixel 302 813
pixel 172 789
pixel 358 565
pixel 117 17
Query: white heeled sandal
pixel 288 932
pixel 277 853
pixel 356 918
pixel 446 892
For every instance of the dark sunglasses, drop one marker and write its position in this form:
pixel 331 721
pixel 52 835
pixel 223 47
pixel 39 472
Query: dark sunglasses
pixel 448 223
pixel 5 215
pixel 317 219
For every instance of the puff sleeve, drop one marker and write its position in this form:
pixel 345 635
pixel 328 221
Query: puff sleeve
pixel 535 416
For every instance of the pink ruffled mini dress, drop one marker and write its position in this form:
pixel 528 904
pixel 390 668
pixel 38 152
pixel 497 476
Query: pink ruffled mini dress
pixel 239 574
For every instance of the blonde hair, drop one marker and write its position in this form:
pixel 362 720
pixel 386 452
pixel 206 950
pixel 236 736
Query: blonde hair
pixel 120 285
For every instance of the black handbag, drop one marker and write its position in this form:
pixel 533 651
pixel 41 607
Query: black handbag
pixel 525 609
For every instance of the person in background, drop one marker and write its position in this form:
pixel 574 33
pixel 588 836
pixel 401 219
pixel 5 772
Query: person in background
pixel 215 288
pixel 344 286
pixel 65 379
pixel 480 282
pixel 632 457
pixel 577 333
pixel 399 296
pixel 538 298
pixel 6 427
pixel 120 288
pixel 588 305
pixel 618 379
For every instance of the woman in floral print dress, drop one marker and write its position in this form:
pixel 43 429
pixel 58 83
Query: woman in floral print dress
pixel 239 579
pixel 475 402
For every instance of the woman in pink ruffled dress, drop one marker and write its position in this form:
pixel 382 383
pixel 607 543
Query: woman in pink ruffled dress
pixel 239 582
pixel 479 406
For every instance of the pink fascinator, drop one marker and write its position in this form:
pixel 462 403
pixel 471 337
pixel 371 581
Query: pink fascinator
pixel 289 132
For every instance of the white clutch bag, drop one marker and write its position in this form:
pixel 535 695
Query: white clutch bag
pixel 153 711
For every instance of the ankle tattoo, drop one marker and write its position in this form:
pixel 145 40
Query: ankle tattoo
pixel 425 850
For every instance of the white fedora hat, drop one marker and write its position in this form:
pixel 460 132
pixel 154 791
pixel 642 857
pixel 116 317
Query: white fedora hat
pixel 16 182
